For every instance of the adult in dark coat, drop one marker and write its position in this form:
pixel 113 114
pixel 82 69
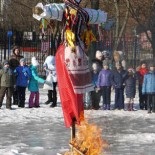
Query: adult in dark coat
pixel 14 62
pixel 118 79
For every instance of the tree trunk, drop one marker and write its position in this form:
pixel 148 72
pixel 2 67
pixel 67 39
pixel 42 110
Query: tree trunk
pixel 93 46
pixel 153 44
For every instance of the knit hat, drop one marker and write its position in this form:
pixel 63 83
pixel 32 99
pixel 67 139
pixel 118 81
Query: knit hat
pixel 99 54
pixel 34 61
pixel 5 62
pixel 50 60
pixel 22 60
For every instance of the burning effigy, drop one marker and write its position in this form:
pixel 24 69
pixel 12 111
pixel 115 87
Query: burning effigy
pixel 73 73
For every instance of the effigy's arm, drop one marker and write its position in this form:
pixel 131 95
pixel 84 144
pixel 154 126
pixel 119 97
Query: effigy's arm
pixel 55 11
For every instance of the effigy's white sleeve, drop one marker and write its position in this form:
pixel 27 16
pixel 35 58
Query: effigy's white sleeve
pixel 55 11
pixel 96 16
pixel 51 11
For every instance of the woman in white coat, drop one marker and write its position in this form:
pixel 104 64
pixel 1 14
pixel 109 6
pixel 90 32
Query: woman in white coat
pixel 50 68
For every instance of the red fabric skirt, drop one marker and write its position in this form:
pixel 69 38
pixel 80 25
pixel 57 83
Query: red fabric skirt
pixel 72 103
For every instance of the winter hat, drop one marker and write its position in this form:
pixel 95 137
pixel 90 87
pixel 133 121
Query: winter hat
pixel 34 61
pixel 50 60
pixel 99 54
pixel 22 60
pixel 5 62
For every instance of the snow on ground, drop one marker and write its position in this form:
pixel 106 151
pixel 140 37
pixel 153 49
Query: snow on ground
pixel 41 131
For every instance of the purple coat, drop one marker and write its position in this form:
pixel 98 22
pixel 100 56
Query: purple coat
pixel 104 78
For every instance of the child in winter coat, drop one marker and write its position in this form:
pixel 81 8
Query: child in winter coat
pixel 118 79
pixel 33 84
pixel 7 82
pixel 50 68
pixel 95 95
pixel 130 89
pixel 23 74
pixel 148 88
pixel 104 84
pixel 141 71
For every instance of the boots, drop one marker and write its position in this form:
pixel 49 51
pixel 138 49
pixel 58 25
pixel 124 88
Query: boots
pixel 49 97
pixel 131 107
pixel 108 107
pixel 54 104
pixel 104 106
pixel 128 107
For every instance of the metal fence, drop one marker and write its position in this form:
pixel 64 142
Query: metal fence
pixel 134 48
pixel 30 46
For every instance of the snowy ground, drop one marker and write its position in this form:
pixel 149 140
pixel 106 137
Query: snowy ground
pixel 41 131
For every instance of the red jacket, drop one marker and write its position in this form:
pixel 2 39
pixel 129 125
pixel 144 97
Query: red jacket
pixel 141 73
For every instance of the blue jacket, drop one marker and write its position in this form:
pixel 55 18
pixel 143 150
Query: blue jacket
pixel 148 86
pixel 104 78
pixel 33 82
pixel 23 74
pixel 94 78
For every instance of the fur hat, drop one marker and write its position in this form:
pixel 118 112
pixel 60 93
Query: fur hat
pixel 22 60
pixel 34 61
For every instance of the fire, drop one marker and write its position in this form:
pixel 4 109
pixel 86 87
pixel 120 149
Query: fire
pixel 88 140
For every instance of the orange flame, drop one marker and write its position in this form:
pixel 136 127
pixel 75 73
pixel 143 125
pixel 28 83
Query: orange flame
pixel 88 140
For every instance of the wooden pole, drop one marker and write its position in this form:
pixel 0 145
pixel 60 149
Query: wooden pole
pixel 73 130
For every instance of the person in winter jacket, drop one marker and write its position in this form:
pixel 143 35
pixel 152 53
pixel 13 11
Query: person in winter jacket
pixel 50 68
pixel 141 71
pixel 23 74
pixel 95 95
pixel 7 82
pixel 130 89
pixel 104 85
pixel 118 79
pixel 148 88
pixel 33 84
pixel 14 62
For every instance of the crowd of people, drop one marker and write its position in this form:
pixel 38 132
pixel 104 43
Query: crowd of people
pixel 16 76
pixel 124 82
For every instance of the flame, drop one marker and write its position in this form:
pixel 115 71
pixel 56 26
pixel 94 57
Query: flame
pixel 88 140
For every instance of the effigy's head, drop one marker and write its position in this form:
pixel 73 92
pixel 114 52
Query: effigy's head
pixel 37 10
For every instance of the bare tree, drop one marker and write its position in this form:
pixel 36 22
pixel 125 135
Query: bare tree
pixel 143 14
